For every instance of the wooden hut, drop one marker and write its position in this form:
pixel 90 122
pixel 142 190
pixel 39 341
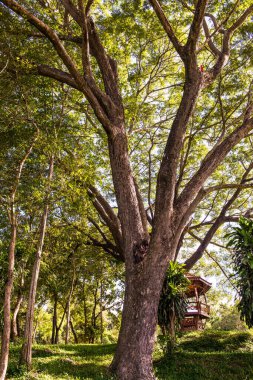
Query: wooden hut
pixel 198 310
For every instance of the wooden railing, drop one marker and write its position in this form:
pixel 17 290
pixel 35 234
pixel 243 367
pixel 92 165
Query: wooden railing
pixel 191 323
pixel 200 307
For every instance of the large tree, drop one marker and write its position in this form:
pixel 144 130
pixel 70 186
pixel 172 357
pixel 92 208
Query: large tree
pixel 196 47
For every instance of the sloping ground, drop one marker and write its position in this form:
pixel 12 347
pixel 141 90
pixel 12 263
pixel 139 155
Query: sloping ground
pixel 210 355
pixel 199 356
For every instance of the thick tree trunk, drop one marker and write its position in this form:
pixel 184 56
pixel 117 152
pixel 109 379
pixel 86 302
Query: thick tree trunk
pixel 133 357
pixel 26 351
pixel 7 306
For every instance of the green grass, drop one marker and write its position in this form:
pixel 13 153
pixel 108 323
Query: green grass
pixel 65 362
pixel 199 356
pixel 207 355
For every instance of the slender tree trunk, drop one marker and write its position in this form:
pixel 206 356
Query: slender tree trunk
pixel 14 325
pixel 172 332
pixel 68 304
pixel 54 320
pixel 93 317
pixel 101 313
pixel 7 306
pixel 18 327
pixel 57 335
pixel 67 322
pixel 85 316
pixel 26 351
pixel 57 330
pixel 73 331
pixel 15 330
pixel 36 325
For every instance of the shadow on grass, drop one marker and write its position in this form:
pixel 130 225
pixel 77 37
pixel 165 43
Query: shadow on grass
pixel 67 362
pixel 88 349
pixel 62 367
pixel 206 366
pixel 84 350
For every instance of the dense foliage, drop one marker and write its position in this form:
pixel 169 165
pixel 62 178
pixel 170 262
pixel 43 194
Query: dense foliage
pixel 241 240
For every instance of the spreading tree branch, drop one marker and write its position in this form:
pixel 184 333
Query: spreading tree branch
pixel 167 27
pixel 189 263
pixel 107 214
pixel 211 162
pixel 195 27
pixel 100 102
pixel 59 75
pixel 224 54
pixel 209 40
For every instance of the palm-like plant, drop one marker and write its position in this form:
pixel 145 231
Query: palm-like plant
pixel 241 240
pixel 173 301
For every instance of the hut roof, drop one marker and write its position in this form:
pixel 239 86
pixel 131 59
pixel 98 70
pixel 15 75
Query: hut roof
pixel 197 282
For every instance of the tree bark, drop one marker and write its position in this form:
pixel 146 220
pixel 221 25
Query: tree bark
pixel 14 324
pixel 133 357
pixel 26 351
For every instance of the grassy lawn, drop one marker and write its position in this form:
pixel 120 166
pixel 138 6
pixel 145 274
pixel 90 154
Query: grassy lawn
pixel 81 361
pixel 199 356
